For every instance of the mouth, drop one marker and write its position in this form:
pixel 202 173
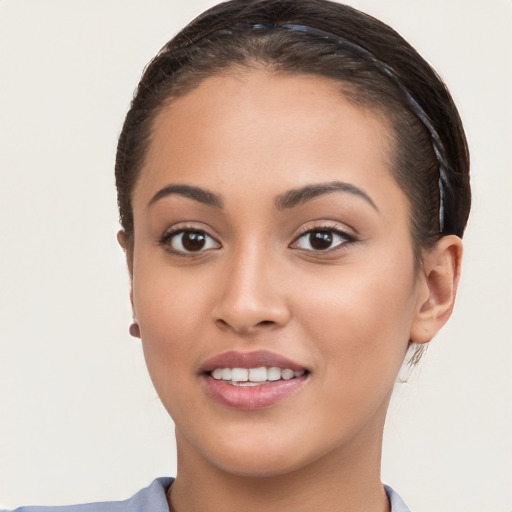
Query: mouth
pixel 254 376
pixel 253 380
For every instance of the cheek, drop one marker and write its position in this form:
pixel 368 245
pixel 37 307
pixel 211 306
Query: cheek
pixel 360 318
pixel 171 308
pixel 358 328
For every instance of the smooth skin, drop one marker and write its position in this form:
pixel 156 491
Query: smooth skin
pixel 256 280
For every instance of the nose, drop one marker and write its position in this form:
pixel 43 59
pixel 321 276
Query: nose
pixel 252 295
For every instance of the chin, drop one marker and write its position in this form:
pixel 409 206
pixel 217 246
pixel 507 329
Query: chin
pixel 260 465
pixel 260 454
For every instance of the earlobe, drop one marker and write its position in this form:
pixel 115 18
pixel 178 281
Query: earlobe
pixel 441 273
pixel 134 328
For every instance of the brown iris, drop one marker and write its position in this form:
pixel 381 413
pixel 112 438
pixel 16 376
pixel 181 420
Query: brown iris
pixel 320 240
pixel 193 240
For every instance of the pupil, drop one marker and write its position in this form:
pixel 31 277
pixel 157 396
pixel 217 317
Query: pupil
pixel 320 239
pixel 193 241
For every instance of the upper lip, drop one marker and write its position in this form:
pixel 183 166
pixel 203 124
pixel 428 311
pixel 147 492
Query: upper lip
pixel 255 359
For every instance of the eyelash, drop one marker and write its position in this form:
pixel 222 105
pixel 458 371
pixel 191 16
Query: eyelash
pixel 168 237
pixel 347 239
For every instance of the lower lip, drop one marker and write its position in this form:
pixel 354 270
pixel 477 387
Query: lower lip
pixel 249 398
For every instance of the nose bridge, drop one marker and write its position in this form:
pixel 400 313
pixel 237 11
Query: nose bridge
pixel 251 296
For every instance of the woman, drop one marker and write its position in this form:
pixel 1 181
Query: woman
pixel 293 188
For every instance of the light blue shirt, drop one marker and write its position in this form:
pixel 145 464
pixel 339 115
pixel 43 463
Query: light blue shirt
pixel 153 499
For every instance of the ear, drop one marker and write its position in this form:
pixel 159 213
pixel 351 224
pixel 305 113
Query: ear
pixel 439 280
pixel 126 243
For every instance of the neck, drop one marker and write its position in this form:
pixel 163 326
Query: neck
pixel 346 480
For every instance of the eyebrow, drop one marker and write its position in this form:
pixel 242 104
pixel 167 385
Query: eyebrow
pixel 288 200
pixel 196 193
pixel 299 196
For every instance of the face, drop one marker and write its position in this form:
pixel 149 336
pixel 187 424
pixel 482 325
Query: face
pixel 273 272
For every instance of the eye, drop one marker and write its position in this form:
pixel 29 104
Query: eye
pixel 187 241
pixel 322 239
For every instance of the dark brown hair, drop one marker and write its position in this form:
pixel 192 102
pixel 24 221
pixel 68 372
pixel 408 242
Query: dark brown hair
pixel 374 66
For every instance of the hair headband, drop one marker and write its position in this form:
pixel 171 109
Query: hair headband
pixel 389 72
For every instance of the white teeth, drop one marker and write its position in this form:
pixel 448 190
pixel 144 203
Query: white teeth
pixel 258 374
pixel 217 373
pixel 254 376
pixel 239 374
pixel 274 373
pixel 287 374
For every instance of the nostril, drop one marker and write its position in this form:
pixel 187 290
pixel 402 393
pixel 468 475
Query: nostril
pixel 223 324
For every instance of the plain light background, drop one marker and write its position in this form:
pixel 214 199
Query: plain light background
pixel 79 419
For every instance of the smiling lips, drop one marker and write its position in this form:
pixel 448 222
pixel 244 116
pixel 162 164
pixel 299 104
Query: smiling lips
pixel 252 380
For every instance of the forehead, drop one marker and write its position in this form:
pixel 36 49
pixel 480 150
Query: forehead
pixel 268 130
